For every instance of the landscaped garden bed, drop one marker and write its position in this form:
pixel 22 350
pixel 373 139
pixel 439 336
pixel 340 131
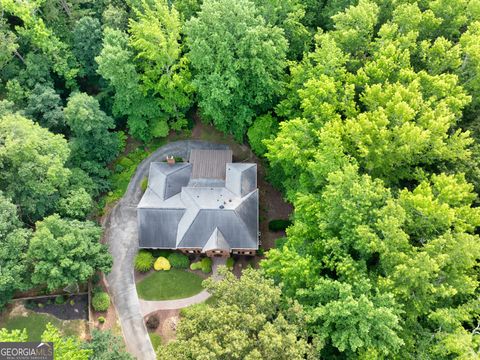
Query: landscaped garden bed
pixel 73 307
pixel 169 285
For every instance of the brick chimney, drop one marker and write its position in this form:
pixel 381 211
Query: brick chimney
pixel 170 160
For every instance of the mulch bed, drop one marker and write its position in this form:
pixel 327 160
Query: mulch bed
pixel 66 311
pixel 168 323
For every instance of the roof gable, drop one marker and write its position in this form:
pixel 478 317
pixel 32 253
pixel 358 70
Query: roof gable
pixel 216 242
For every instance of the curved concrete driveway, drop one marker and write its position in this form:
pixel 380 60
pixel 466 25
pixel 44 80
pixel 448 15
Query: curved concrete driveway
pixel 121 236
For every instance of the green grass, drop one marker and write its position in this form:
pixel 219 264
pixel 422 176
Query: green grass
pixel 36 323
pixel 169 285
pixel 156 340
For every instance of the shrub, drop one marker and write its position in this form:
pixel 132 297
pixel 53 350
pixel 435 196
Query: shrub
pixel 144 184
pixel 230 263
pixel 179 261
pixel 72 302
pixel 260 251
pixel 279 225
pixel 205 265
pixel 59 300
pixel 161 264
pixel 164 253
pixel 153 322
pixel 101 301
pixel 280 242
pixel 144 261
pixel 40 305
pixel 101 319
pixel 125 167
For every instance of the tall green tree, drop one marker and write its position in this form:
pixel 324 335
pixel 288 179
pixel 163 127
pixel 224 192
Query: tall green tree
pixel 44 106
pixel 13 244
pixel 155 36
pixel 33 166
pixel 376 271
pixel 87 43
pixel 247 321
pixel 63 252
pixel 287 15
pixel 115 63
pixel 237 61
pixel 34 30
pixel 90 125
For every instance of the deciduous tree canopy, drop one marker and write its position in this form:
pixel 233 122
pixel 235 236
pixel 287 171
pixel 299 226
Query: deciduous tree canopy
pixel 64 252
pixel 247 321
pixel 237 59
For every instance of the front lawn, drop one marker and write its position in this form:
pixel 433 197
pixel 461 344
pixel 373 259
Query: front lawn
pixel 36 323
pixel 169 285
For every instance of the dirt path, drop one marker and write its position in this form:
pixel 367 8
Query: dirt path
pixel 122 238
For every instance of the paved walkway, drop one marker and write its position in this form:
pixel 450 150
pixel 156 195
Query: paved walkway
pixel 122 238
pixel 147 307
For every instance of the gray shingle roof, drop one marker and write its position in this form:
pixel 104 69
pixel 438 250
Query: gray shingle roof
pixel 178 211
pixel 158 227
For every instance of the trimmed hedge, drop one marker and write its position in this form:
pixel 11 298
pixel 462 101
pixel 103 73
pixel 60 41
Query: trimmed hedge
pixel 101 301
pixel 144 261
pixel 161 253
pixel 205 265
pixel 279 224
pixel 179 261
